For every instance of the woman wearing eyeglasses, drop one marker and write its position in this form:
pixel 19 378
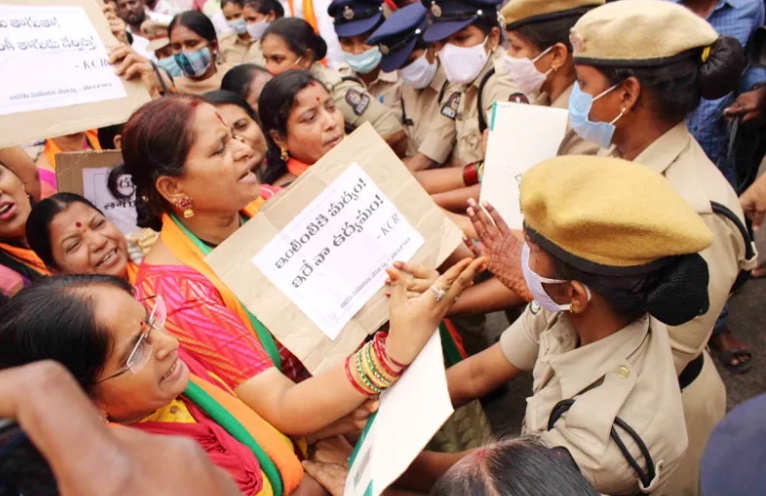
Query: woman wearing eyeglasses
pixel 138 376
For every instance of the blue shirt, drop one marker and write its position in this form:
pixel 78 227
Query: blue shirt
pixel 736 18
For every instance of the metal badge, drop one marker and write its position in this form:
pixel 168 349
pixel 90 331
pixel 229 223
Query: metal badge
pixel 435 9
pixel 348 13
pixel 578 44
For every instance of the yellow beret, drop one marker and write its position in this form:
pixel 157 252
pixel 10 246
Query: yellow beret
pixel 607 215
pixel 638 32
pixel 517 13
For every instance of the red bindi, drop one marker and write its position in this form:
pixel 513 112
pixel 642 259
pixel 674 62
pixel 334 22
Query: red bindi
pixel 78 224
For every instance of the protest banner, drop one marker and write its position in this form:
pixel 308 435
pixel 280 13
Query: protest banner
pixel 87 174
pixel 520 136
pixel 311 265
pixel 410 413
pixel 54 54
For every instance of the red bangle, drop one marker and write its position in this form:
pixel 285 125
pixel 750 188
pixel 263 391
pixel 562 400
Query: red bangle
pixel 387 356
pixel 352 380
pixel 470 174
pixel 383 358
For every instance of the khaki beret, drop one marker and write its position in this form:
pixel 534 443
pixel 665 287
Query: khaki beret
pixel 518 13
pixel 607 215
pixel 638 32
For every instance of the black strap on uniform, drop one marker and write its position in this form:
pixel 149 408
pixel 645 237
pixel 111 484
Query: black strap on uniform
pixel 645 476
pixel 354 79
pixel 482 120
pixel 744 275
pixel 405 120
pixel 441 93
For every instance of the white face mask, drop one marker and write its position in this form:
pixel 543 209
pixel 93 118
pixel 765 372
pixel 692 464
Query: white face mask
pixel 462 65
pixel 535 284
pixel 257 29
pixel 523 71
pixel 419 73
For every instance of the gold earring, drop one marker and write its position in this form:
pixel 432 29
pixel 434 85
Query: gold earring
pixel 284 155
pixel 184 205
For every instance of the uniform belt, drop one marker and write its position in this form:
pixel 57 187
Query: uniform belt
pixel 691 372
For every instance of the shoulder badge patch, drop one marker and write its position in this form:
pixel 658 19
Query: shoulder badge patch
pixel 451 106
pixel 518 98
pixel 535 307
pixel 358 101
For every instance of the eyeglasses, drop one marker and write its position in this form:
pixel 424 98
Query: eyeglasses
pixel 142 351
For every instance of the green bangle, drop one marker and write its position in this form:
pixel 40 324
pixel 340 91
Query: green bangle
pixel 375 371
pixel 366 381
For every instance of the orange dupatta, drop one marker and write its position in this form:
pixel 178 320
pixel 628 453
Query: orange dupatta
pixel 132 273
pixel 190 254
pixel 25 256
pixel 277 446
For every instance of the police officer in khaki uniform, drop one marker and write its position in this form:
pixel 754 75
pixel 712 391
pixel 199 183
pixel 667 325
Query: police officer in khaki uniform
pixel 609 272
pixel 642 66
pixel 539 56
pixel 290 43
pixel 354 22
pixel 427 97
pixel 238 47
pixel 468 35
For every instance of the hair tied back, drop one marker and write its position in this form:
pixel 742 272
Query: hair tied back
pixel 681 294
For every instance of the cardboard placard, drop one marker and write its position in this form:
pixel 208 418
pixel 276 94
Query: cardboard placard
pixel 61 83
pixel 87 173
pixel 520 137
pixel 233 260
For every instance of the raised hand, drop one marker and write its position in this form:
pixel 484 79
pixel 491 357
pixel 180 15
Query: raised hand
pixel 414 320
pixel 500 246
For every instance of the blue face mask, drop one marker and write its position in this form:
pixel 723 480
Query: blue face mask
pixel 194 64
pixel 170 66
pixel 365 62
pixel 580 105
pixel 238 25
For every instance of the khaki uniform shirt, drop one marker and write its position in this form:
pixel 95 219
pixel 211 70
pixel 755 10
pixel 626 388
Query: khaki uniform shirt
pixel 572 144
pixel 387 88
pixel 195 87
pixel 355 103
pixel 629 374
pixel 235 51
pixel 679 157
pixel 497 89
pixel 429 118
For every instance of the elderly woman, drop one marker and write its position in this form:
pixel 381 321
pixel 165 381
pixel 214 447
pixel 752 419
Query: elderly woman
pixel 122 357
pixel 196 184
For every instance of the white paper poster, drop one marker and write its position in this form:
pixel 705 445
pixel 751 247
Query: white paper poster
pixel 120 211
pixel 520 137
pixel 410 413
pixel 51 57
pixel 331 258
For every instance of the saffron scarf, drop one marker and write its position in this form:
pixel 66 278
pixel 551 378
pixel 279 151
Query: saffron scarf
pixel 221 409
pixel 296 167
pixel 191 251
pixel 25 257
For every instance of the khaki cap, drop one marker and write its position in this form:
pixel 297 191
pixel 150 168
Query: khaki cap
pixel 639 32
pixel 607 215
pixel 518 13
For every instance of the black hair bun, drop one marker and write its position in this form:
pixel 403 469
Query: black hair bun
pixel 682 291
pixel 720 74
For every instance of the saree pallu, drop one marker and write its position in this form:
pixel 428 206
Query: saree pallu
pixel 262 461
pixel 21 267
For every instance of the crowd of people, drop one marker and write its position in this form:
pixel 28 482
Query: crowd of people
pixel 635 236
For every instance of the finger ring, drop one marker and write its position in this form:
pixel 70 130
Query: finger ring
pixel 456 298
pixel 438 293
